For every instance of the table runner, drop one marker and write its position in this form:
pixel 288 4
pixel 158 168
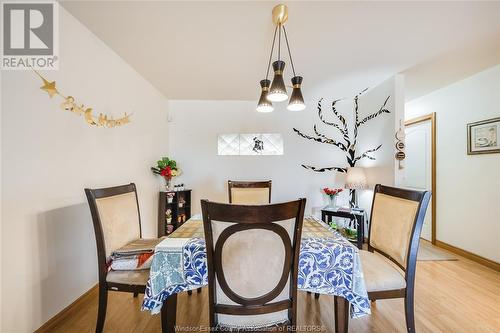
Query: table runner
pixel 328 264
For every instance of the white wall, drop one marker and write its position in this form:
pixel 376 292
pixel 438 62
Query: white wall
pixel 49 156
pixel 195 125
pixel 380 130
pixel 1 202
pixel 468 187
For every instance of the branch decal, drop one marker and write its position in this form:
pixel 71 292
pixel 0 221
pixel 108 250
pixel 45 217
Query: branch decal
pixel 338 169
pixel 376 114
pixel 366 154
pixel 349 138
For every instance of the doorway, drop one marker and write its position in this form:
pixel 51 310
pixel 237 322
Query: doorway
pixel 420 165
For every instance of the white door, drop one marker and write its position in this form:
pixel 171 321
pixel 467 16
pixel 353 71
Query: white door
pixel 418 165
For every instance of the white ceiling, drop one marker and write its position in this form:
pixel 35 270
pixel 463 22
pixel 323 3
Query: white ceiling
pixel 219 50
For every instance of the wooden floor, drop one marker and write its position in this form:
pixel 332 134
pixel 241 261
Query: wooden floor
pixel 451 296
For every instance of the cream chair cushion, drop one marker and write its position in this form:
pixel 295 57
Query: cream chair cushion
pixel 391 225
pixel 119 216
pixel 250 196
pixel 128 277
pixel 252 261
pixel 380 273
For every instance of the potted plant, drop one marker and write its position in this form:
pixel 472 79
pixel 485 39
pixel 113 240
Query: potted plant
pixel 168 216
pixel 332 195
pixel 168 169
pixel 181 202
pixel 170 197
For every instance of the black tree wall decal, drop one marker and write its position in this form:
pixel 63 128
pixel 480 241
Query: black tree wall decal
pixel 349 135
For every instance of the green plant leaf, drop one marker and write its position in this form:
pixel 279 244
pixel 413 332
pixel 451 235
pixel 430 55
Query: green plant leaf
pixel 165 162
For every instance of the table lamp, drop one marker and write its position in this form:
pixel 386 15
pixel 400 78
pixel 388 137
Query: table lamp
pixel 355 180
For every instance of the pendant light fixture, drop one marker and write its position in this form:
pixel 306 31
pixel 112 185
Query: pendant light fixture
pixel 264 105
pixel 276 92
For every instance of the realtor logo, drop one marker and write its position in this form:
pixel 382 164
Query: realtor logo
pixel 29 35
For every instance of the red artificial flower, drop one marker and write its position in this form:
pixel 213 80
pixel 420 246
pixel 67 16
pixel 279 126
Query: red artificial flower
pixel 167 172
pixel 332 192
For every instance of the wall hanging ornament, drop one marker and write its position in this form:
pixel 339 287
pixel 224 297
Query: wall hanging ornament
pixel 349 137
pixel 70 104
pixel 400 146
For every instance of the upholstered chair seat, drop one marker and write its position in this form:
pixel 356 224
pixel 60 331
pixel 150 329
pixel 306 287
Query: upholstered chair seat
pixel 137 278
pixel 380 273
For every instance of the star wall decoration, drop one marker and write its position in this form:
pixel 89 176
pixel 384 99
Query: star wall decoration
pixel 70 104
pixel 49 87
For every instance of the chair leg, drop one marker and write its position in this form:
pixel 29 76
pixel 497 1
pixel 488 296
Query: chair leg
pixel 136 293
pixel 409 313
pixel 316 295
pixel 101 312
pixel 190 292
pixel 198 290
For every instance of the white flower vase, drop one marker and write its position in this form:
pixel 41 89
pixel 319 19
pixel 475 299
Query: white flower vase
pixel 333 201
pixel 168 184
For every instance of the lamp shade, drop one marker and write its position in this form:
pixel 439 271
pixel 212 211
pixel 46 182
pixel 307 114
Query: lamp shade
pixel 356 179
pixel 264 104
pixel 277 93
pixel 296 100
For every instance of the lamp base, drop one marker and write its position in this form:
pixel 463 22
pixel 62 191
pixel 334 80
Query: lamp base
pixel 353 202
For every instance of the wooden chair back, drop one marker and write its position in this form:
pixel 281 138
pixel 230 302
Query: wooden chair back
pixel 249 192
pixel 397 217
pixel 252 255
pixel 116 218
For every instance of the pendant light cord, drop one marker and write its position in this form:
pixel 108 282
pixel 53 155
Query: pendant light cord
pixel 289 53
pixel 279 43
pixel 271 55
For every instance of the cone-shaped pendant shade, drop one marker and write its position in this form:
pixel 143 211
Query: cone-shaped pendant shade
pixel 296 100
pixel 264 104
pixel 277 93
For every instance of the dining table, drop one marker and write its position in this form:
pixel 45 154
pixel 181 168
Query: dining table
pixel 328 264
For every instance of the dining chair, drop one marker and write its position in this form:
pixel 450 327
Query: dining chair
pixel 117 222
pixel 389 265
pixel 249 192
pixel 252 256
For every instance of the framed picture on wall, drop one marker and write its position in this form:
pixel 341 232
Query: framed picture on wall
pixel 483 137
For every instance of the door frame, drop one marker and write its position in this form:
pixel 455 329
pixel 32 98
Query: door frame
pixel 432 118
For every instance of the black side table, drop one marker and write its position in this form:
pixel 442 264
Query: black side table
pixel 357 215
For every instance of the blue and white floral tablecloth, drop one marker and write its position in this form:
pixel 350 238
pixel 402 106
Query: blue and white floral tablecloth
pixel 328 264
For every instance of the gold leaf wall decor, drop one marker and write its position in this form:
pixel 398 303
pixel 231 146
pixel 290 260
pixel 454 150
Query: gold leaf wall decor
pixel 70 105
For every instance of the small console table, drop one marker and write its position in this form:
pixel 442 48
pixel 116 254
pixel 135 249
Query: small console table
pixel 354 214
